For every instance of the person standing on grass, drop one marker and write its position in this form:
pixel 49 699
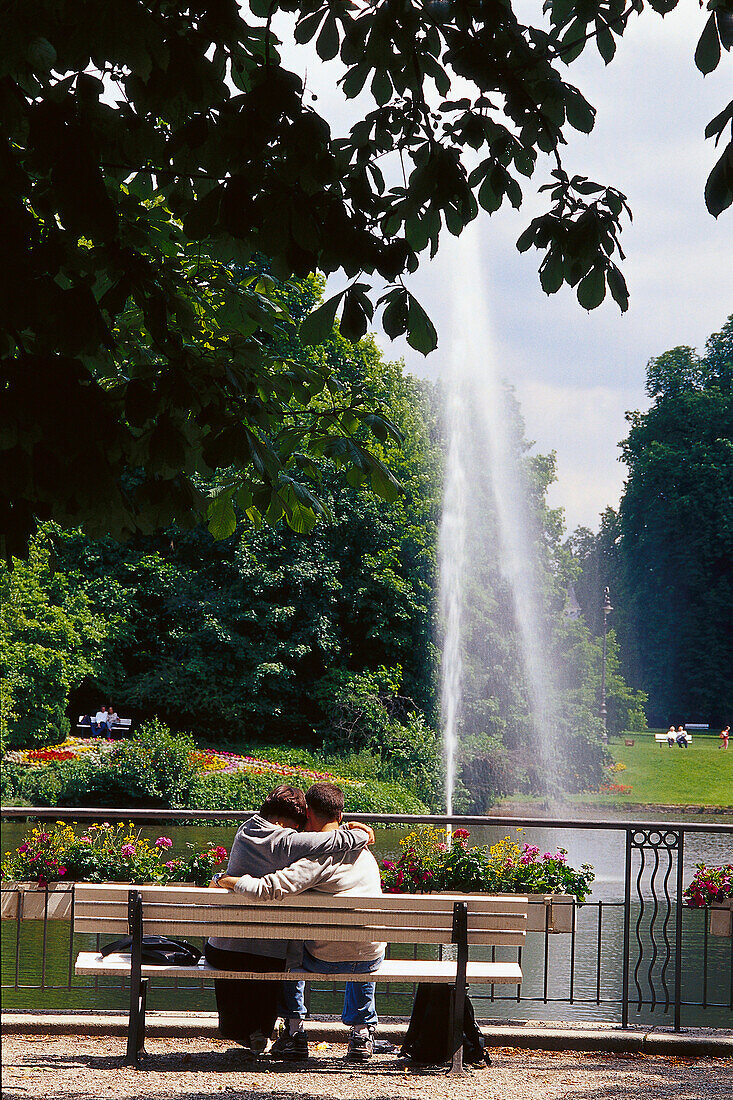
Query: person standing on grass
pixel 724 735
pixel 355 873
pixel 269 841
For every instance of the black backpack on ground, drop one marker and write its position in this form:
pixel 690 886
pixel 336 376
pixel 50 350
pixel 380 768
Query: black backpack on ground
pixel 427 1040
pixel 157 951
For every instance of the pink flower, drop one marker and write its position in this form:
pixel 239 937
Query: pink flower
pixel 547 855
pixel 85 840
pixel 127 850
pixel 164 842
pixel 461 834
pixel 43 836
pixel 62 870
pixel 23 848
pixel 172 864
pixel 388 865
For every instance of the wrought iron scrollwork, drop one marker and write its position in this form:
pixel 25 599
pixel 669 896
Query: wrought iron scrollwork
pixel 649 853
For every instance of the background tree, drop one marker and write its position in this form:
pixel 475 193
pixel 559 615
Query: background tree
pixel 51 640
pixel 668 553
pixel 139 136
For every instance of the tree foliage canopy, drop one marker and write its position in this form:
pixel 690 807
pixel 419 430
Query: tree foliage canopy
pixel 148 146
pixel 668 552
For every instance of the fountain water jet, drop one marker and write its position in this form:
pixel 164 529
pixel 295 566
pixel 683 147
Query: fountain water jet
pixel 483 457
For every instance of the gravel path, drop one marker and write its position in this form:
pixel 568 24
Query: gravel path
pixel 90 1068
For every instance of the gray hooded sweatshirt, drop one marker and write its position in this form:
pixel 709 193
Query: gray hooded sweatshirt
pixel 260 847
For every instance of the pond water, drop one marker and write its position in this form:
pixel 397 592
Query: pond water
pixel 47 988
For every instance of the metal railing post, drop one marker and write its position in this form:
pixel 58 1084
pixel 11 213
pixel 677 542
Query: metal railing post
pixel 627 930
pixel 678 933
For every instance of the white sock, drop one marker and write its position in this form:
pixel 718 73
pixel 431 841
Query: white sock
pixel 362 1031
pixel 296 1026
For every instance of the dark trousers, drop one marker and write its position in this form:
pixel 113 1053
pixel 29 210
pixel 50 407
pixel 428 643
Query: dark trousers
pixel 244 1007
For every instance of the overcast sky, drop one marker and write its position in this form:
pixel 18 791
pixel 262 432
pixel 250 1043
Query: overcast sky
pixel 576 374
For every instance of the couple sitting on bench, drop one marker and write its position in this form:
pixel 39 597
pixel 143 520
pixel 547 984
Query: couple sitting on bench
pixel 271 859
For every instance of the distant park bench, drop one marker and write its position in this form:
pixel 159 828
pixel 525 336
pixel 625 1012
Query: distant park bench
pixel 121 725
pixel 697 726
pixel 661 738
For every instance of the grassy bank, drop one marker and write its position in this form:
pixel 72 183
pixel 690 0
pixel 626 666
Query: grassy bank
pixel 700 775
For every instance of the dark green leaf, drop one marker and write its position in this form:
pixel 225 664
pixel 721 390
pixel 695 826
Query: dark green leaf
pixel 318 325
pixel 707 54
pixel 592 289
pixel 618 288
pixel 719 187
pixel 421 334
pixel 222 521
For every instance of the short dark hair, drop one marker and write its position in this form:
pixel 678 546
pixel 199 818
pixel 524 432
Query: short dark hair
pixel 325 800
pixel 285 801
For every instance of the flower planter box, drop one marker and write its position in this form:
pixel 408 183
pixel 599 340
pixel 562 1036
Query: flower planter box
pixel 721 918
pixel 33 902
pixel 29 899
pixel 555 912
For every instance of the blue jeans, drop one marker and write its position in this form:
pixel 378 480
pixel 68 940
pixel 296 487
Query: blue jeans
pixel 359 1007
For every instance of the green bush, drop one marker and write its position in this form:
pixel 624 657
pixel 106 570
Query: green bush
pixel 242 791
pixel 152 770
pixel 366 718
pixel 11 784
pixel 155 767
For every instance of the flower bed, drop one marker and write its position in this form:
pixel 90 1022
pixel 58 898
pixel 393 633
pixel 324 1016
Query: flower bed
pixel 428 863
pixel 206 761
pixel 105 853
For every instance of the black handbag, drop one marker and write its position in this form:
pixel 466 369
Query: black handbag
pixel 427 1040
pixel 157 951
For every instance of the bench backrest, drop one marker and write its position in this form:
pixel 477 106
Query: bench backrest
pixel 182 911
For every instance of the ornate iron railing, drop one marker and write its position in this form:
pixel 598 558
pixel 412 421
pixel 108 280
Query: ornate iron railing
pixel 647 955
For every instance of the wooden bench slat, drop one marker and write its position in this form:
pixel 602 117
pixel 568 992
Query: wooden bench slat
pixel 283 913
pixel 193 895
pixel 298 931
pixel 391 970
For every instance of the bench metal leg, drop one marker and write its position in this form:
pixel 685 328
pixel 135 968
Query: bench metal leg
pixel 458 998
pixel 138 985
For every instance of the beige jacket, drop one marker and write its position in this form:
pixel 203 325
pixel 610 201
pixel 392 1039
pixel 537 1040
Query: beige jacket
pixel 354 873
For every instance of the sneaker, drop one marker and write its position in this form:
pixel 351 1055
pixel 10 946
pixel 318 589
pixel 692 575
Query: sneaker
pixel 259 1043
pixel 290 1048
pixel 360 1048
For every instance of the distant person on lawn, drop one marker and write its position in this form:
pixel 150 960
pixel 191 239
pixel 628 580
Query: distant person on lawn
pixel 724 735
pixel 354 873
pixel 99 722
pixel 671 736
pixel 112 720
pixel 270 840
pixel 681 737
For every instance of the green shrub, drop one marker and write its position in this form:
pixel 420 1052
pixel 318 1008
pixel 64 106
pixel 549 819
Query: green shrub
pixel 11 784
pixel 152 770
pixel 155 767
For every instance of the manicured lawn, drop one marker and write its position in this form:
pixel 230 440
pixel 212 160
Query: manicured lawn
pixel 700 775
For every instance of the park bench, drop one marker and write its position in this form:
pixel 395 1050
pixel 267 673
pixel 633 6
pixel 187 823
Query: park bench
pixel 124 724
pixel 661 738
pixel 182 912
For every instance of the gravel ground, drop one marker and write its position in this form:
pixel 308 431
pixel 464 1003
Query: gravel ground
pixel 90 1068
